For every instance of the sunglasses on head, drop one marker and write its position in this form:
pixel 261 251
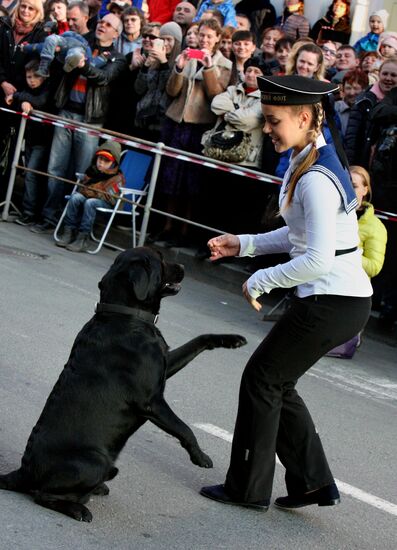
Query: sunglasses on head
pixel 150 36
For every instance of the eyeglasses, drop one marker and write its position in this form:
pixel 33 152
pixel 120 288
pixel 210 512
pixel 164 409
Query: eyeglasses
pixel 150 36
pixel 327 50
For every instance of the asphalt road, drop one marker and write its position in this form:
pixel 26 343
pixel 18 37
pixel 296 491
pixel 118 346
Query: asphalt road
pixel 47 294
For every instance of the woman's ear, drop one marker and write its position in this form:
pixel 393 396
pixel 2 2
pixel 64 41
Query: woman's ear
pixel 305 118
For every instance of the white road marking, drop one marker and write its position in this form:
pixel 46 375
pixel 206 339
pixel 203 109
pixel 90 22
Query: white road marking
pixel 358 382
pixel 345 488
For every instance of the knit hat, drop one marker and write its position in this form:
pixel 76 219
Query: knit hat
pixel 171 29
pixel 388 39
pixel 255 61
pixel 383 15
pixel 110 150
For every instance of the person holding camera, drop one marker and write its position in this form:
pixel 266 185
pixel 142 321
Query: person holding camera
pixel 197 77
pixel 152 79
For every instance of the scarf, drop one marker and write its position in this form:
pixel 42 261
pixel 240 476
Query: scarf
pixel 20 30
pixel 375 89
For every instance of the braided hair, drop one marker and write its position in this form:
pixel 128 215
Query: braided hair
pixel 311 158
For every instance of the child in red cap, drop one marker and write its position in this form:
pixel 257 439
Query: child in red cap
pixel 102 183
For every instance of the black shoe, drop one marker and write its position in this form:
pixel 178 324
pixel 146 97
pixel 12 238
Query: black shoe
pixel 44 227
pixel 218 493
pixel 25 219
pixel 326 496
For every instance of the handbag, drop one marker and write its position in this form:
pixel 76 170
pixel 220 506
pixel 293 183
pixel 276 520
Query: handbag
pixel 227 145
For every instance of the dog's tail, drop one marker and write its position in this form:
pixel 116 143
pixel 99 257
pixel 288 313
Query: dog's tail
pixel 13 481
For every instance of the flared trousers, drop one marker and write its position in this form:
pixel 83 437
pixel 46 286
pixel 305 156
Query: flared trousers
pixel 272 418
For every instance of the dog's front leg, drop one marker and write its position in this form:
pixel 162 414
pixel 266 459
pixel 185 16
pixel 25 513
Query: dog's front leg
pixel 164 417
pixel 180 357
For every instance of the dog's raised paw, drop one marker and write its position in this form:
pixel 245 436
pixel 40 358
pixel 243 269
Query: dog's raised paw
pixel 232 341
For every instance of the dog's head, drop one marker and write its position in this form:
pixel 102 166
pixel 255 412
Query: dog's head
pixel 140 277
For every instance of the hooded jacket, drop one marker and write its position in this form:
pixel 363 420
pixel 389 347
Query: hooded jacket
pixel 373 239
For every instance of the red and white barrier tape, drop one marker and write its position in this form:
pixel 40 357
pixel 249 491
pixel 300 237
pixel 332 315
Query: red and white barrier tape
pixel 166 151
pixel 390 216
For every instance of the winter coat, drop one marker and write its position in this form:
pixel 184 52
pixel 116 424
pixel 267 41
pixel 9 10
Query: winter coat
pixel 242 112
pixel 102 185
pixel 368 43
pixel 357 136
pixel 12 59
pixel 342 27
pixel 150 85
pixel 227 9
pixel 295 26
pixel 373 239
pixel 98 85
pixel 195 87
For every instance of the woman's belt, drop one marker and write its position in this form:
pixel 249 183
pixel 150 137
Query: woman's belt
pixel 343 251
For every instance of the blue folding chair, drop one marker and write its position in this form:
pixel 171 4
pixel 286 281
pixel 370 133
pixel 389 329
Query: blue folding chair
pixel 135 167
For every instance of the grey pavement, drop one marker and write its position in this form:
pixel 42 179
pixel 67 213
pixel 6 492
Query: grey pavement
pixel 47 294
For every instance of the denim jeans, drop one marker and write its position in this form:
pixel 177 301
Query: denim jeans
pixel 69 149
pixel 36 158
pixel 80 213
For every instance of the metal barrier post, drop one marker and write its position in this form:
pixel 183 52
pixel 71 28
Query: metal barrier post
pixel 11 181
pixel 149 200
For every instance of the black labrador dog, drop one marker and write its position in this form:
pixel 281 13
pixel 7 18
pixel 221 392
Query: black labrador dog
pixel 112 383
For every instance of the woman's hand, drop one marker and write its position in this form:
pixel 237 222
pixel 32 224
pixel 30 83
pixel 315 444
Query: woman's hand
pixel 158 55
pixel 137 59
pixel 223 246
pixel 254 303
pixel 182 60
pixel 207 59
pixel 9 99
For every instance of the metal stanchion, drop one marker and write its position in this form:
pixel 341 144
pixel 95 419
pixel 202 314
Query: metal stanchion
pixel 149 200
pixel 11 181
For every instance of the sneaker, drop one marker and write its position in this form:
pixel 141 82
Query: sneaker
pixel 72 61
pixel 25 219
pixel 44 227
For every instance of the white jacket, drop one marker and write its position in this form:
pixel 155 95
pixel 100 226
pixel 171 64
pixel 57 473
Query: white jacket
pixel 242 112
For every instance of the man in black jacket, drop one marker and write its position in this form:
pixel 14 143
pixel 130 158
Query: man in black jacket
pixel 83 95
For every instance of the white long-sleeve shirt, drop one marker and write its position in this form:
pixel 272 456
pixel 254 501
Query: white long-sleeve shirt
pixel 317 226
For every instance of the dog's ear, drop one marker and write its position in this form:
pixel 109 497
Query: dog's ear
pixel 139 278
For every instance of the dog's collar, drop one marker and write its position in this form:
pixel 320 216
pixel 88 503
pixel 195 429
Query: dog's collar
pixel 115 308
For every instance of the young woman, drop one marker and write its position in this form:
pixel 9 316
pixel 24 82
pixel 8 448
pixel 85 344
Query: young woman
pixel 307 61
pixel 191 38
pixel 317 202
pixel 357 137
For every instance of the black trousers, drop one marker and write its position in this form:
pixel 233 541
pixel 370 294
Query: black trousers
pixel 272 418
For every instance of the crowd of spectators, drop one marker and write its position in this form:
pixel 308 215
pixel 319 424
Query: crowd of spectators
pixel 180 72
